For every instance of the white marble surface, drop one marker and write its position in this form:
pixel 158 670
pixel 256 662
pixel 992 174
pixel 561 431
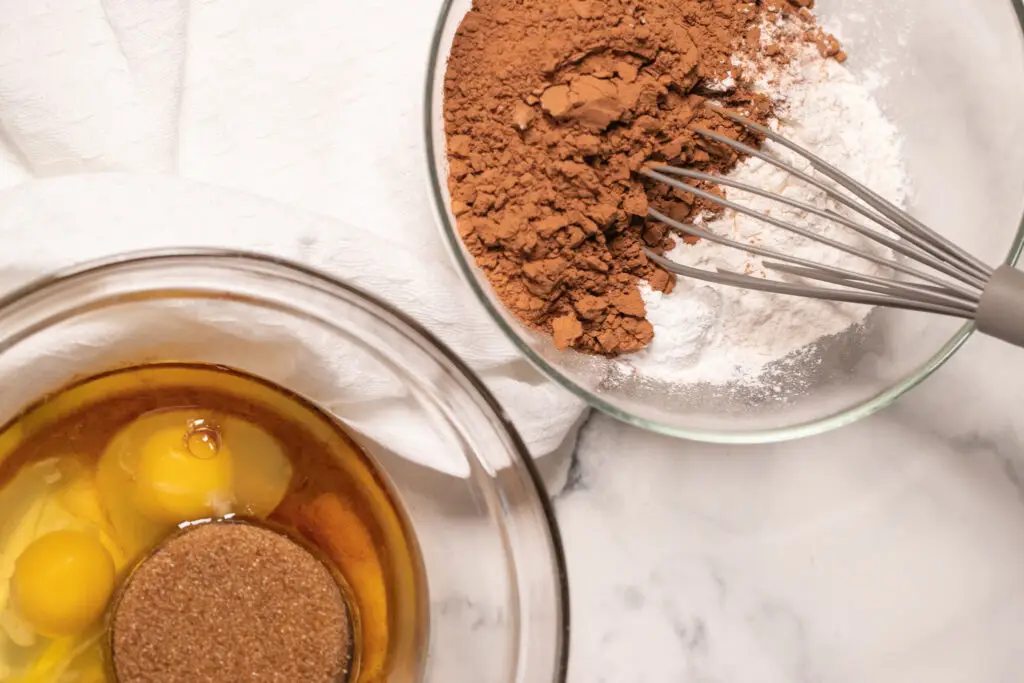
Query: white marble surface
pixel 891 551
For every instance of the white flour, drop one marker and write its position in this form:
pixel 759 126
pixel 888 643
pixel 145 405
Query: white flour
pixel 720 335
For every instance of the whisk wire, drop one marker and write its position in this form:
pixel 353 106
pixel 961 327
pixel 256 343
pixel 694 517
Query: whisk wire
pixel 864 193
pixel 655 173
pixel 823 293
pixel 910 235
pixel 911 290
pixel 867 283
pixel 874 235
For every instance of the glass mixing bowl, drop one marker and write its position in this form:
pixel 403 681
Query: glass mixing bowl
pixel 495 596
pixel 952 80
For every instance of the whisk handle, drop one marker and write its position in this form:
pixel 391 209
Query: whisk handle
pixel 1001 311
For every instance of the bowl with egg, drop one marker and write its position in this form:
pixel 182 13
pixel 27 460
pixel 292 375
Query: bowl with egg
pixel 214 463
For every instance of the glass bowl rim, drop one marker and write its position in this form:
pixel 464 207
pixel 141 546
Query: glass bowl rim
pixel 467 270
pixel 283 267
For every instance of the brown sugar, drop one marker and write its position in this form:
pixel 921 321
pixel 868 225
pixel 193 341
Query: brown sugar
pixel 228 602
pixel 551 107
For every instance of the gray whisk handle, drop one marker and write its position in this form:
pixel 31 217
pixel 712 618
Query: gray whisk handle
pixel 1001 311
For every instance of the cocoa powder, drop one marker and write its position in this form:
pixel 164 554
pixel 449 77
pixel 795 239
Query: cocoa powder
pixel 551 106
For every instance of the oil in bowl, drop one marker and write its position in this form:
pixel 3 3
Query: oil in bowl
pixel 140 476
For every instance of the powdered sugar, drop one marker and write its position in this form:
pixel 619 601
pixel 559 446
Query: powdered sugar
pixel 721 335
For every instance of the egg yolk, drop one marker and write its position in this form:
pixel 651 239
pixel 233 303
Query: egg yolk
pixel 62 582
pixel 183 476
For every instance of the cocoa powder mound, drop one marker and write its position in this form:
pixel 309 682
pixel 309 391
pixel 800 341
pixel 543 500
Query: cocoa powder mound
pixel 551 106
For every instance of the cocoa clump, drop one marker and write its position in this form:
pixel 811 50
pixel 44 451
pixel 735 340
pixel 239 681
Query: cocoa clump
pixel 551 108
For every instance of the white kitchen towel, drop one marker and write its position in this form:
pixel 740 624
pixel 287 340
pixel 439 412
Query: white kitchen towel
pixel 315 105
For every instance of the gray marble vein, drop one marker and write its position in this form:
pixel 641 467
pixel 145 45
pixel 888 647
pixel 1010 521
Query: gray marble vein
pixel 891 551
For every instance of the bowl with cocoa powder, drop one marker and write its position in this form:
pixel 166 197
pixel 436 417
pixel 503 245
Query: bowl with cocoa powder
pixel 539 116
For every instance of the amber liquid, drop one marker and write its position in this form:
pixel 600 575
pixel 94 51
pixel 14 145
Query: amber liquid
pixel 337 499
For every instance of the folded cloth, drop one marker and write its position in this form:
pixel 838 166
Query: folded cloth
pixel 306 115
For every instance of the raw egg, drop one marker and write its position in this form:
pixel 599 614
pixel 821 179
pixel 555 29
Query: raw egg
pixel 180 465
pixel 184 472
pixel 62 582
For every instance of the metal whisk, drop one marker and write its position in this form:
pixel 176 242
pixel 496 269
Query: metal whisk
pixel 952 282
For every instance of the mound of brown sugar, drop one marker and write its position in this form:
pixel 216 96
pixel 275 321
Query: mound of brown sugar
pixel 231 602
pixel 551 106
